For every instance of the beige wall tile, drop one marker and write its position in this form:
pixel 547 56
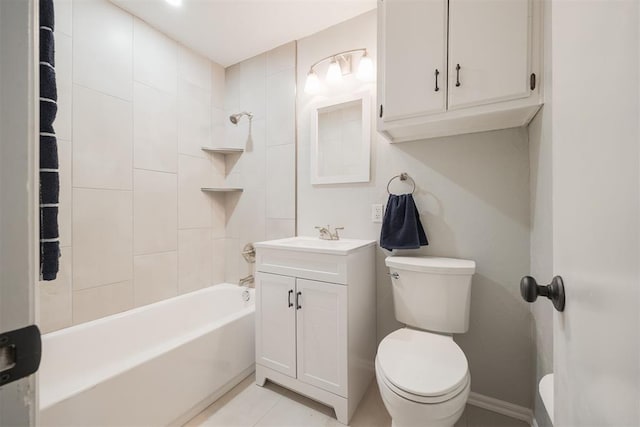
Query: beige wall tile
pixel 281 107
pixel 155 277
pixel 194 69
pixel 155 58
pixel 155 129
pixel 194 123
pixel 102 237
pixel 65 197
pixel 232 259
pixel 102 140
pixel 253 87
pixel 232 88
pixel 195 259
pixel 280 228
pixel 64 17
pixel 55 297
pixel 155 212
pixel 218 263
pixel 94 303
pixel 281 182
pixel 103 46
pixel 281 58
pixel 219 119
pixel 194 205
pixel 218 216
pixel 64 83
pixel 217 86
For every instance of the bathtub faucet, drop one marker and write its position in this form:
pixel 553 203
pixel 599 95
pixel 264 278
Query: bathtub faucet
pixel 247 281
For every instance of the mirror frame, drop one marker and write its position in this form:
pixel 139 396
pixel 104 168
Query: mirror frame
pixel 358 176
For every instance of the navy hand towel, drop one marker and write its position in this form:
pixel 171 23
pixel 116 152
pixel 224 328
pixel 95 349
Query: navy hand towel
pixel 49 183
pixel 401 227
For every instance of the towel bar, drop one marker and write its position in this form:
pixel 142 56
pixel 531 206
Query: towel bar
pixel 403 177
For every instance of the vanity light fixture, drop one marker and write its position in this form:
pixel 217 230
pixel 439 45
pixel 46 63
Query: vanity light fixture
pixel 334 72
pixel 174 3
pixel 340 64
pixel 365 68
pixel 312 85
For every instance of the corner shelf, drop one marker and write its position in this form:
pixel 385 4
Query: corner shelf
pixel 217 150
pixel 222 189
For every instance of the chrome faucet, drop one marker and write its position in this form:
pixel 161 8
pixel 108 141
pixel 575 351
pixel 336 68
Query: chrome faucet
pixel 325 233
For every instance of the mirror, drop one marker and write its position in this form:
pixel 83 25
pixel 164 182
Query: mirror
pixel 341 140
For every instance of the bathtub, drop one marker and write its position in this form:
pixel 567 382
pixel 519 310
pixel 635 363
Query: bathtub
pixel 155 365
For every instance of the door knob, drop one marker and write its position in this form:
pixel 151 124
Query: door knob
pixel 530 290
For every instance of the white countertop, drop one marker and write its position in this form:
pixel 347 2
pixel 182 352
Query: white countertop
pixel 317 245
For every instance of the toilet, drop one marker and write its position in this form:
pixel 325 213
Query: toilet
pixel 422 374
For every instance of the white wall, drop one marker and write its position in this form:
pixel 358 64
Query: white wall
pixel 134 109
pixel 265 86
pixel 473 196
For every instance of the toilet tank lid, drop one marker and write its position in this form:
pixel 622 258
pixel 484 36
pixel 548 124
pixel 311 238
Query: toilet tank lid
pixel 430 264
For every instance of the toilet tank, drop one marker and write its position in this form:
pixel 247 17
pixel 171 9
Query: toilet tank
pixel 432 293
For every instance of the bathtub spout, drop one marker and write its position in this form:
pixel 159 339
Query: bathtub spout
pixel 247 281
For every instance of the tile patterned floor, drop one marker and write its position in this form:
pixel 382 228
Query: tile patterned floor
pixel 248 405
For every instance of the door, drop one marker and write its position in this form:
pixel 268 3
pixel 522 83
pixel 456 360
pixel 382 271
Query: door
pixel 18 196
pixel 322 335
pixel 595 188
pixel 489 51
pixel 276 322
pixel 414 57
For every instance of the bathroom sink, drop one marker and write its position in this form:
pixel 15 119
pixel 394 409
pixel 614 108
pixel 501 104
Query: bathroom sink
pixel 315 244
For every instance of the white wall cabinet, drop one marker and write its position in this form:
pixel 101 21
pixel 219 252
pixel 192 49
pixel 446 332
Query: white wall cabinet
pixel 313 336
pixel 448 67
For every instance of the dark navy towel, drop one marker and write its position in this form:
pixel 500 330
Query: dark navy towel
pixel 49 182
pixel 401 227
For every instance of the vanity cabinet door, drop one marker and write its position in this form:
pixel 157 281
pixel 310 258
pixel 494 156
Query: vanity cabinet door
pixel 276 322
pixel 489 51
pixel 413 40
pixel 322 335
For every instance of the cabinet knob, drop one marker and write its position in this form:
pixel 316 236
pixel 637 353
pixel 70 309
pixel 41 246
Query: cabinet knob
pixel 530 290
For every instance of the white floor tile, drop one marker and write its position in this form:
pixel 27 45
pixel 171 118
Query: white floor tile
pixel 249 405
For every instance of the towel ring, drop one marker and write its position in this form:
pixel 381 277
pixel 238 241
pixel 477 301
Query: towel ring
pixel 403 177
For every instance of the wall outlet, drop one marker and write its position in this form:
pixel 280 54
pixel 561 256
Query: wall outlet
pixel 377 212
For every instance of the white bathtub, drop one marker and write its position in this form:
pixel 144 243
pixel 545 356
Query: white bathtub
pixel 155 365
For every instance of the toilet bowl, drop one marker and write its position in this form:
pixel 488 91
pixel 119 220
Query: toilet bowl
pixel 423 378
pixel 422 374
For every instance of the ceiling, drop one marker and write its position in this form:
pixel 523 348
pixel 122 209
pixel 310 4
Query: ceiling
pixel 229 31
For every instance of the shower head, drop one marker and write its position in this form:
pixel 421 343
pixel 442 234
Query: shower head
pixel 235 118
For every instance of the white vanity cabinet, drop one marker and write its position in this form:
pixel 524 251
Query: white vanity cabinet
pixel 448 67
pixel 315 319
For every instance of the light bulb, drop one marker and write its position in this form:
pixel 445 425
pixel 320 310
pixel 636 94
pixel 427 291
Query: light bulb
pixel 174 3
pixel 365 68
pixel 312 85
pixel 334 73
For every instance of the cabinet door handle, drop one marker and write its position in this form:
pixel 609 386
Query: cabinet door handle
pixel 289 298
pixel 298 295
pixel 437 74
pixel 457 75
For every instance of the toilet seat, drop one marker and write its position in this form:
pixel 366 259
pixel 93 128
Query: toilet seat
pixel 422 366
pixel 418 398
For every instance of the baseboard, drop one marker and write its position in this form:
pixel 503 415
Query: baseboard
pixel 501 407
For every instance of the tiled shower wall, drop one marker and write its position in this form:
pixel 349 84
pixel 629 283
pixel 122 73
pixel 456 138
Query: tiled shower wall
pixel 264 85
pixel 134 109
